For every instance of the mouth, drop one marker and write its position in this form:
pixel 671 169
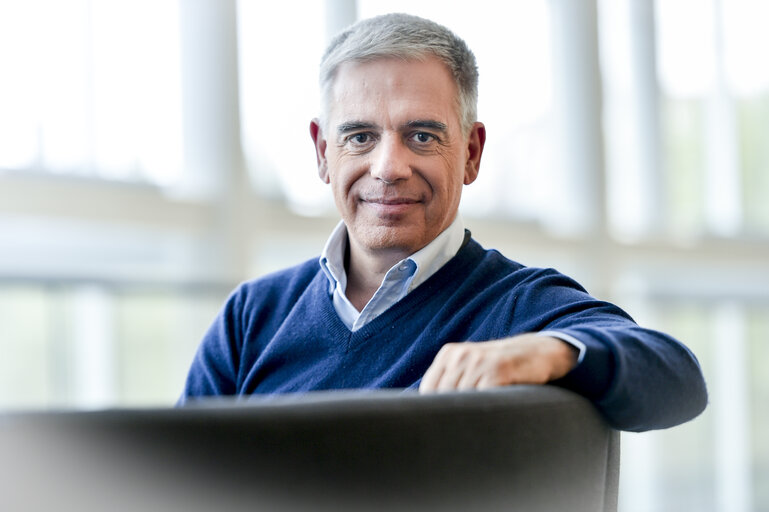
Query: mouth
pixel 391 207
pixel 390 201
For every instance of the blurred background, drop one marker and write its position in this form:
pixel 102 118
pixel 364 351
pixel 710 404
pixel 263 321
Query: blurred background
pixel 154 153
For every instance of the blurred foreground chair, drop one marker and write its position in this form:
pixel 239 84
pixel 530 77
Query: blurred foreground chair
pixel 523 448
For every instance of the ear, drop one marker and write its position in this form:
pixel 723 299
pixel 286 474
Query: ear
pixel 475 143
pixel 316 132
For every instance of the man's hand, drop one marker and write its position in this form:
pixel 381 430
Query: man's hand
pixel 523 359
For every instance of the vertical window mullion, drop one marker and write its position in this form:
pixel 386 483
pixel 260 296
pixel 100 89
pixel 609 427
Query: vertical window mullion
pixel 723 191
pixel 579 204
pixel 730 403
pixel 632 127
pixel 93 337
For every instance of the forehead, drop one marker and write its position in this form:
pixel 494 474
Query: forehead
pixel 394 90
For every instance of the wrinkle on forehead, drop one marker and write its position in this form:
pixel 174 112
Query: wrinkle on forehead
pixel 368 90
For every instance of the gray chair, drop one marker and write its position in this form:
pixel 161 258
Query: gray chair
pixel 527 448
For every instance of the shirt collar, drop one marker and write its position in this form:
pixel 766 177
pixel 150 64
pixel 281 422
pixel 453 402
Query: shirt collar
pixel 427 260
pixel 437 253
pixel 332 257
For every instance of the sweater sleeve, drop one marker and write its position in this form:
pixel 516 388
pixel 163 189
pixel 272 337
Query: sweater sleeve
pixel 638 378
pixel 214 368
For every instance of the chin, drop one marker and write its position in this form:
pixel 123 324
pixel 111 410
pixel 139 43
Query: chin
pixel 390 238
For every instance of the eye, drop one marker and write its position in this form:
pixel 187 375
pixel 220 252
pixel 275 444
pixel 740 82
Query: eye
pixel 423 137
pixel 359 139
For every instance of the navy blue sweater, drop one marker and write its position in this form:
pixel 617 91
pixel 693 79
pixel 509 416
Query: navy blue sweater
pixel 281 334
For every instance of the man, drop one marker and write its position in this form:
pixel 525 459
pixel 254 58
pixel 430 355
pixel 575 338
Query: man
pixel 402 296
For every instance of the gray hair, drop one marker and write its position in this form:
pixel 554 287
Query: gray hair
pixel 410 38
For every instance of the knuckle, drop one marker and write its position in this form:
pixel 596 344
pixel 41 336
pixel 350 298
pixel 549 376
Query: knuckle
pixel 455 351
pixel 447 349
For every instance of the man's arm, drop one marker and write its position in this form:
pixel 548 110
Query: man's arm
pixel 640 379
pixel 213 369
pixel 642 393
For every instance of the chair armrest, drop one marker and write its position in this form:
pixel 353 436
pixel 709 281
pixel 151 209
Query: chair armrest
pixel 518 448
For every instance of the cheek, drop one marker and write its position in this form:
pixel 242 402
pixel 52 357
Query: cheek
pixel 340 194
pixel 448 184
pixel 452 174
pixel 343 184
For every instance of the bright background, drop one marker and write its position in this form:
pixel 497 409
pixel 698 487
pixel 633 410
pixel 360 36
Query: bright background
pixel 153 153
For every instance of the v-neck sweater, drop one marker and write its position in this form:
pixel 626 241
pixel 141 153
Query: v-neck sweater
pixel 281 334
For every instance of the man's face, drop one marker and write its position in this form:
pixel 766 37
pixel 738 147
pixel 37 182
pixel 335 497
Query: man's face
pixel 394 153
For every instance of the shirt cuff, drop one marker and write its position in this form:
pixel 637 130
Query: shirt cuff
pixel 571 340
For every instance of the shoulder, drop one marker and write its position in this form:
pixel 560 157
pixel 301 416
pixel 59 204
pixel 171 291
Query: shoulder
pixel 474 256
pixel 291 276
pixel 491 264
pixel 280 287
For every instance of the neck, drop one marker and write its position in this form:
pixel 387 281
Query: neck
pixel 366 270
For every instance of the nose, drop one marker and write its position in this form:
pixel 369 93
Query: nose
pixel 391 160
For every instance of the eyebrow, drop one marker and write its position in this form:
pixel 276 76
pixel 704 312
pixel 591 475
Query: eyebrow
pixel 352 126
pixel 427 123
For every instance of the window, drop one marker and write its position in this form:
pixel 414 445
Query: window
pixel 91 89
pixel 279 97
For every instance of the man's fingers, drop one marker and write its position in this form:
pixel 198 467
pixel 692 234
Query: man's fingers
pixel 487 382
pixel 525 359
pixel 457 366
pixel 434 373
pixel 472 369
pixel 445 372
pixel 430 378
pixel 469 379
pixel 455 361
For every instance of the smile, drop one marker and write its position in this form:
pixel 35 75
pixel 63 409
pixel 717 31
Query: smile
pixel 391 207
pixel 391 201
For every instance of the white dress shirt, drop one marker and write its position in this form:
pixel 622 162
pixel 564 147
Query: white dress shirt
pixel 401 279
